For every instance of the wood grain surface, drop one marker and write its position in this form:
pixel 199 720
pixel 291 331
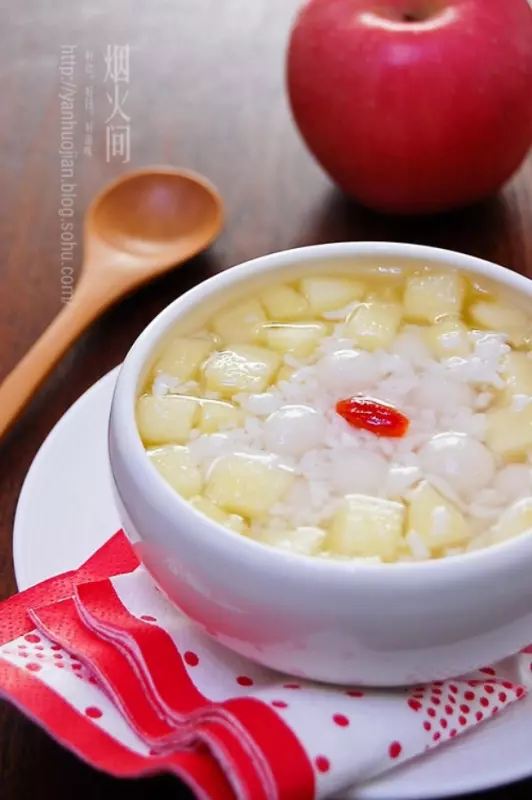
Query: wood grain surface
pixel 205 91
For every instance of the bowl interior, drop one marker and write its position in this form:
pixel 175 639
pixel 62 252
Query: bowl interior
pixel 193 309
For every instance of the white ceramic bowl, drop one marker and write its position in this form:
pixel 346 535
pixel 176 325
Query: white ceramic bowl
pixel 352 624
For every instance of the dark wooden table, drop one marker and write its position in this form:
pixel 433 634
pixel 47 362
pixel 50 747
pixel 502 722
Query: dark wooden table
pixel 205 90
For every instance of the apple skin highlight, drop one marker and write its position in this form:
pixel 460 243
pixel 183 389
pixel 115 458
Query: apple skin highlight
pixel 414 108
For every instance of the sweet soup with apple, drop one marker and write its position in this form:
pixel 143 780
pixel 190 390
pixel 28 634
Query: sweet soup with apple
pixel 382 418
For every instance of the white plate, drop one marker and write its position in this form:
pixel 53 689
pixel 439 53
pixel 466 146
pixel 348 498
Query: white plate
pixel 66 511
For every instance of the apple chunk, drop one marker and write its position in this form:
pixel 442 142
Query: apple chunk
pixel 217 415
pixel 166 420
pixel 511 321
pixel 432 295
pixel 509 431
pixel 439 523
pixel 329 294
pixel 514 521
pixel 305 541
pixel 518 375
pixel 373 325
pixel 241 368
pixel 284 304
pixel 176 466
pixel 247 485
pixel 448 338
pixel 232 521
pixel 239 323
pixel 300 339
pixel 366 526
pixel 182 358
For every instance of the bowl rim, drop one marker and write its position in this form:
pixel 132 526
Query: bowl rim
pixel 123 428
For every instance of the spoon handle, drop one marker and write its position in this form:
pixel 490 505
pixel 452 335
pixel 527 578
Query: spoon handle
pixel 24 380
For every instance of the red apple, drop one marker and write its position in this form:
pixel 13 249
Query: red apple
pixel 414 106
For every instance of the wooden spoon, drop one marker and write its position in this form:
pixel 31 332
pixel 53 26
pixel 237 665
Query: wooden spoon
pixel 141 225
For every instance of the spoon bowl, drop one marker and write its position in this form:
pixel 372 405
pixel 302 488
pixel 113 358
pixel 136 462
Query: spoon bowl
pixel 142 224
pixel 151 212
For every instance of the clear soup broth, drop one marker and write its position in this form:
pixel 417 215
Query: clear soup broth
pixel 384 419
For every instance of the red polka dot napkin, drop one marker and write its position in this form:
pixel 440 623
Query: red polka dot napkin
pixel 102 661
